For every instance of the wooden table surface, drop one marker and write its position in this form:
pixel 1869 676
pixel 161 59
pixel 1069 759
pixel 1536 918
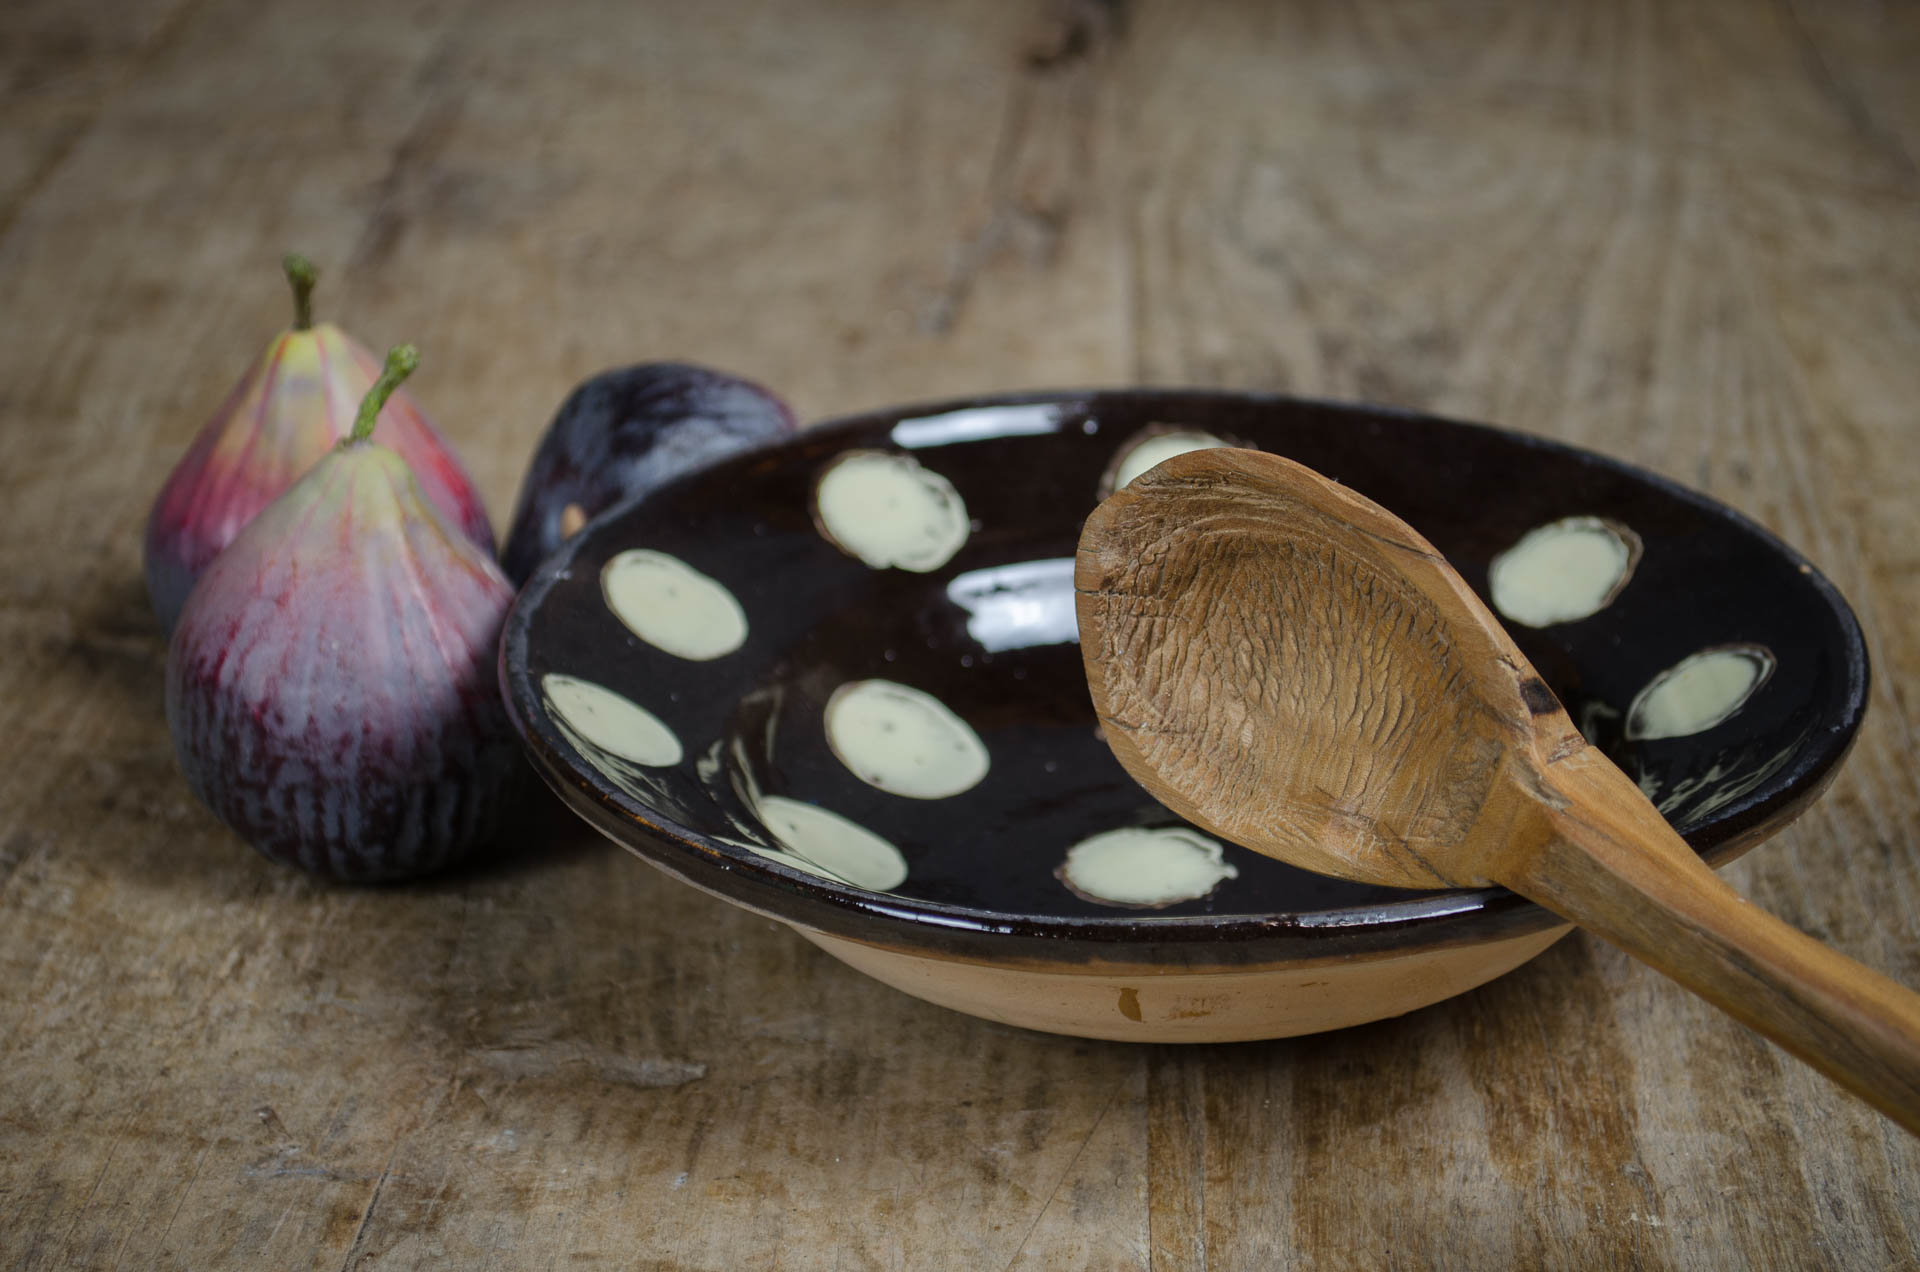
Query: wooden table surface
pixel 1686 235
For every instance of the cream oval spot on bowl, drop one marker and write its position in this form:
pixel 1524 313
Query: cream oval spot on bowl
pixel 610 721
pixel 672 606
pixel 1698 692
pixel 828 844
pixel 1563 571
pixel 903 741
pixel 1145 867
pixel 1160 443
pixel 888 511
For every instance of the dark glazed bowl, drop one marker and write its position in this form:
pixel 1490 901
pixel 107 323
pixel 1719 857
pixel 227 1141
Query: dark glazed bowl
pixel 982 920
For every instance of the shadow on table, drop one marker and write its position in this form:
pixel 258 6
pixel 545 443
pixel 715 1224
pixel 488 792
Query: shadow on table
pixel 541 833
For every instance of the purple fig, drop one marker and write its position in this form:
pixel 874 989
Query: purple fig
pixel 625 432
pixel 331 684
pixel 292 405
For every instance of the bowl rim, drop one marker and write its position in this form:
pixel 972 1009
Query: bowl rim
pixel 1384 928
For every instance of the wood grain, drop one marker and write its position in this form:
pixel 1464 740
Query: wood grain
pixel 1681 234
pixel 1412 753
pixel 1610 863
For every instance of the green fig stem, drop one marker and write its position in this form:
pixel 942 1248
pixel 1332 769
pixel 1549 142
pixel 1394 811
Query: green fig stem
pixel 301 275
pixel 401 360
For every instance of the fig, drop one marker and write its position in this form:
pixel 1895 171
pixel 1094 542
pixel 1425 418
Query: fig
pixel 624 432
pixel 331 684
pixel 294 403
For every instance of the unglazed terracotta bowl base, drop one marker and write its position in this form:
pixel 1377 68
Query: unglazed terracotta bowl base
pixel 1194 1006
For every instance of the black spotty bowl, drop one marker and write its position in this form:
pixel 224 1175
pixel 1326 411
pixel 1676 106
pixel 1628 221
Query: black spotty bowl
pixel 836 682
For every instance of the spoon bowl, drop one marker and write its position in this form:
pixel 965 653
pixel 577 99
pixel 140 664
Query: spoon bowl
pixel 1287 664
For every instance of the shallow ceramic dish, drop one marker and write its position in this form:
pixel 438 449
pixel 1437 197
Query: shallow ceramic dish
pixel 693 726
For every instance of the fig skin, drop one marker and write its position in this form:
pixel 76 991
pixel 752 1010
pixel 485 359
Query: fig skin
pixel 294 403
pixel 331 684
pixel 624 432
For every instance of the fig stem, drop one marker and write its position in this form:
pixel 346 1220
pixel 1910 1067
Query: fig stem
pixel 401 360
pixel 301 275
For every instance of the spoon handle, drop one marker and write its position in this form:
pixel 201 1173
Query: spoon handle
pixel 1615 867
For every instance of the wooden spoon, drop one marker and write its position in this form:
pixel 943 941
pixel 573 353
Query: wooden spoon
pixel 1292 667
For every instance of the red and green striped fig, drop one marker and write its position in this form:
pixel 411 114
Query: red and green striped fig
pixel 331 683
pixel 294 403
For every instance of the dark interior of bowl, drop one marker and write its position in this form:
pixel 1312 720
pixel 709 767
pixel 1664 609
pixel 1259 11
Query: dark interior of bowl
pixel 990 635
